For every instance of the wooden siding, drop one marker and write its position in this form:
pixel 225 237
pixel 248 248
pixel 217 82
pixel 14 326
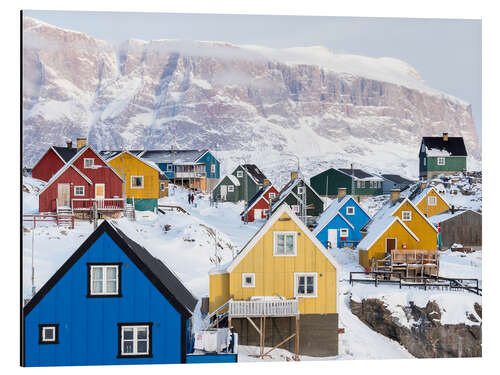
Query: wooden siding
pixel 424 230
pixel 218 290
pixel 47 166
pixel 260 205
pixel 429 211
pixel 245 181
pixel 465 228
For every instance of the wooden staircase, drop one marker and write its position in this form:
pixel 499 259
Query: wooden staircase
pixel 65 217
pixel 129 211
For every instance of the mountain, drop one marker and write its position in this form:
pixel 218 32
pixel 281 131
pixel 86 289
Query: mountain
pixel 247 103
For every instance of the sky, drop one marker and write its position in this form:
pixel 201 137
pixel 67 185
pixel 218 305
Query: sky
pixel 445 52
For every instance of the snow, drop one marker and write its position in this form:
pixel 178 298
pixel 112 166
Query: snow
pixel 437 152
pixel 234 180
pixel 330 213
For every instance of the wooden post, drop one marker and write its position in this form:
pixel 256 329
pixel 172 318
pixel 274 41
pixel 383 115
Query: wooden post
pixel 263 336
pixel 297 341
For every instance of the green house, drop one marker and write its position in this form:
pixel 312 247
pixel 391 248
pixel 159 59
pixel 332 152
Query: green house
pixel 241 185
pixel 358 183
pixel 441 155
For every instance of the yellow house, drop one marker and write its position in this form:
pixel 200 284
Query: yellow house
pixel 282 265
pixel 430 202
pixel 397 225
pixel 142 180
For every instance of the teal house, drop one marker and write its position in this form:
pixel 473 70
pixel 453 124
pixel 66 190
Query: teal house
pixel 442 155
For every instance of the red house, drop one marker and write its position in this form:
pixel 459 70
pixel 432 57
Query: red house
pixel 85 178
pixel 258 206
pixel 53 160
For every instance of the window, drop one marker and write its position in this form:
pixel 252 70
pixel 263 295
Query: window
pixel 79 190
pixel 295 208
pixel 104 280
pixel 406 215
pixel 362 183
pixel 239 174
pixel 372 184
pixel 248 280
pixel 359 184
pixel 48 333
pixel 230 188
pixel 431 201
pixel 301 190
pixel 135 339
pixel 136 182
pixel 440 161
pixel 88 163
pixel 425 162
pixel 306 284
pixel 272 195
pixel 285 243
pixel 344 233
pixel 212 168
pixel 350 210
pixel 162 186
pixel 169 168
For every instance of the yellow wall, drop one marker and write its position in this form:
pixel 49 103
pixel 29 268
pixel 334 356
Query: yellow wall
pixel 134 167
pixel 429 211
pixel 420 227
pixel 275 274
pixel 163 193
pixel 218 290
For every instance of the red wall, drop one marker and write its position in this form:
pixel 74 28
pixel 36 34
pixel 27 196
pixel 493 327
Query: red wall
pixel 47 166
pixel 261 204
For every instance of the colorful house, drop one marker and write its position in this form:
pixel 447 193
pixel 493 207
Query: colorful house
pixel 459 227
pixel 399 224
pixel 86 178
pixel 258 207
pixel 359 183
pixel 110 303
pixel 142 178
pixel 54 159
pixel 302 198
pixel 441 155
pixel 227 190
pixel 194 169
pixel 247 180
pixel 285 275
pixel 340 225
pixel 394 181
pixel 429 201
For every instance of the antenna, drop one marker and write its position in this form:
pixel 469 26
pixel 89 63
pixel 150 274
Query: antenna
pixel 33 288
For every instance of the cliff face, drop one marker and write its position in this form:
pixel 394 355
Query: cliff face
pixel 224 97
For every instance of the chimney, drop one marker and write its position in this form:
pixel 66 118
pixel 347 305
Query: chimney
pixel 171 148
pixel 423 184
pixel 445 137
pixel 294 175
pixel 342 191
pixel 395 195
pixel 69 144
pixel 266 182
pixel 81 142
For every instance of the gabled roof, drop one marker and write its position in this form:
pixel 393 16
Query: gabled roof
pixel 284 209
pixel 233 179
pixel 159 275
pixel 455 146
pixel 255 173
pixel 397 179
pixel 173 156
pixel 65 153
pixel 358 174
pixel 288 188
pixel 420 194
pixel 147 162
pixel 262 191
pixel 447 215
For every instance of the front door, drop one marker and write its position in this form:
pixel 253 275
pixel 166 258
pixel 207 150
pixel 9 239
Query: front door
pixel 99 191
pixel 390 244
pixel 332 237
pixel 257 213
pixel 63 195
pixel 223 192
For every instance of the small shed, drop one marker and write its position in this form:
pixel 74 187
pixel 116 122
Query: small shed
pixel 462 227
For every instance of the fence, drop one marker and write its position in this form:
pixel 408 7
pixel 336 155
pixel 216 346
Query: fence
pixel 265 307
pixel 58 219
pixel 109 204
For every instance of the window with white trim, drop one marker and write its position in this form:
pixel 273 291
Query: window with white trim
pixel 248 280
pixel 104 280
pixel 285 243
pixel 349 210
pixel 239 174
pixel 230 188
pixel 272 195
pixel 135 340
pixel 371 184
pixel 306 284
pixel 162 186
pixel 48 334
pixel 295 208
pixel 440 161
pixel 301 190
pixel 79 191
pixel 169 168
pixel 406 215
pixel 425 162
pixel 359 184
pixel 212 168
pixel 432 200
pixel 362 184
pixel 137 182
pixel 88 163
pixel 344 232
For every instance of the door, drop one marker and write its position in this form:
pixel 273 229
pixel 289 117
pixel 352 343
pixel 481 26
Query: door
pixel 63 195
pixel 223 192
pixel 332 237
pixel 390 244
pixel 257 213
pixel 99 191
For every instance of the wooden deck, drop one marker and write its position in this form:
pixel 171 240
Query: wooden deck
pixel 410 263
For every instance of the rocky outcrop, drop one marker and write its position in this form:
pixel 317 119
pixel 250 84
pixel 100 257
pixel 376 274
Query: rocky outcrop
pixel 427 337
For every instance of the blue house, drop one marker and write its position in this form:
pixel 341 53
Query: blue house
pixel 110 303
pixel 340 224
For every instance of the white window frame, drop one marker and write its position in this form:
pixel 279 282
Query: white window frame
pixel 408 215
pixel 132 182
pixel 275 243
pixel 441 161
pixel 45 340
pixel 88 163
pixel 344 232
pixel 301 190
pixel 348 208
pixel 170 168
pixel 230 188
pixel 76 194
pixel 243 280
pixel 432 200
pixel 272 195
pixel 239 174
pixel 135 340
pixel 162 186
pixel 104 280
pixel 295 208
pixel 212 168
pixel 296 276
pixel 425 162
pixel 359 184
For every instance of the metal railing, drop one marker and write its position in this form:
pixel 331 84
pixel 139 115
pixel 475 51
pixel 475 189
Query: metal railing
pixel 87 204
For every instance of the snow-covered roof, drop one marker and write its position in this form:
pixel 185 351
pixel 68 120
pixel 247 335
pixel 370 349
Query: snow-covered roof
pixel 439 218
pixel 233 179
pixel 256 198
pixel 173 156
pixel 134 155
pixel 331 212
pixel 287 189
pixel 453 146
pixel 423 193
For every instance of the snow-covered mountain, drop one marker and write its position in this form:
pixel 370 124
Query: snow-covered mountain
pixel 247 103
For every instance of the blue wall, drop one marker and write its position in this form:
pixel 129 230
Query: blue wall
pixel 212 358
pixel 163 167
pixel 88 331
pixel 208 159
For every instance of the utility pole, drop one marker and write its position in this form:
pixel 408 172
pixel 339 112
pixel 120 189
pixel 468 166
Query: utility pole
pixel 352 179
pixel 33 289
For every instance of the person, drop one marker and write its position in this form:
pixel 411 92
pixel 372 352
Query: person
pixel 189 197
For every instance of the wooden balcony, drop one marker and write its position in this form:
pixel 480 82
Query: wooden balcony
pixel 273 307
pixel 107 204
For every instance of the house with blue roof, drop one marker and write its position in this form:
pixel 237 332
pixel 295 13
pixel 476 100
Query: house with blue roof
pixel 340 224
pixel 110 303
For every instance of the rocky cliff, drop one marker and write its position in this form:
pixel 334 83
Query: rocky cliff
pixel 327 109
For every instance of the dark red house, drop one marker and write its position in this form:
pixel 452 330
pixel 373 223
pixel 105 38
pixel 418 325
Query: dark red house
pixel 258 206
pixel 85 178
pixel 52 161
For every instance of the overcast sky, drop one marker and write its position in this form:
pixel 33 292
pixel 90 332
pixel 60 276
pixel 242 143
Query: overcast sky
pixel 446 53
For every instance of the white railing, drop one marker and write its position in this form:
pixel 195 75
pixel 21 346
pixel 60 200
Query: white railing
pixel 190 174
pixel 264 307
pixel 86 204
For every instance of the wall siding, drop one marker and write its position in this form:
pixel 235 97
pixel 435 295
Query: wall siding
pixel 452 164
pixel 209 159
pixel 429 211
pixel 47 166
pixel 465 228
pixel 246 182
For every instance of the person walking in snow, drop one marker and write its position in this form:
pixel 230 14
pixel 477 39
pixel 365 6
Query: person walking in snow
pixel 189 197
